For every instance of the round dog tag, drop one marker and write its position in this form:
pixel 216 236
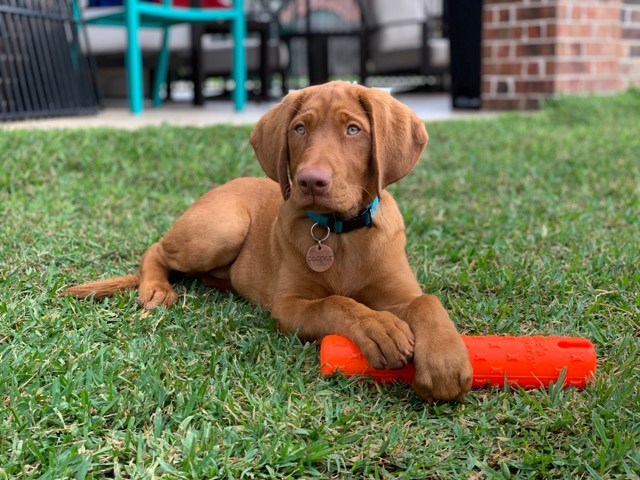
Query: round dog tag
pixel 320 258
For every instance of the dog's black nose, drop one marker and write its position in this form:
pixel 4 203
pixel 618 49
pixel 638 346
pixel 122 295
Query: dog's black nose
pixel 316 181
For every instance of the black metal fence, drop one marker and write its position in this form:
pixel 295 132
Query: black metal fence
pixel 43 71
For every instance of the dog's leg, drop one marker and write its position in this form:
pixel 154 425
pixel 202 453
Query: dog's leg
pixel 385 340
pixel 208 236
pixel 443 369
pixel 154 288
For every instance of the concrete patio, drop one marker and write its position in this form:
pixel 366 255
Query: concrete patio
pixel 428 106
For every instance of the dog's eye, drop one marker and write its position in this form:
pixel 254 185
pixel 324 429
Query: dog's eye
pixel 299 129
pixel 353 130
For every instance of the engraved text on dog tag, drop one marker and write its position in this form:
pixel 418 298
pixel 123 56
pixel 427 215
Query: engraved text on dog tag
pixel 320 258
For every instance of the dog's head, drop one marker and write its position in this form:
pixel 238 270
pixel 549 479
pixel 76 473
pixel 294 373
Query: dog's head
pixel 334 147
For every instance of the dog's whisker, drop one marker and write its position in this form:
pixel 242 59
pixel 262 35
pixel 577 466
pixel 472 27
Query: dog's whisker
pixel 292 107
pixel 360 187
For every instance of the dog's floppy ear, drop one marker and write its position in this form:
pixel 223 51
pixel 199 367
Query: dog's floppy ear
pixel 269 141
pixel 398 136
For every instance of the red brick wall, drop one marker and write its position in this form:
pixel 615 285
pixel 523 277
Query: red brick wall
pixel 630 63
pixel 534 49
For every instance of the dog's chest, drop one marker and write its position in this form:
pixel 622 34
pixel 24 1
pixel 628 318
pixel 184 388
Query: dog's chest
pixel 351 269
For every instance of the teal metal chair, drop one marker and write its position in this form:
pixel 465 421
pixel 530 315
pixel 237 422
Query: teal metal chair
pixel 136 14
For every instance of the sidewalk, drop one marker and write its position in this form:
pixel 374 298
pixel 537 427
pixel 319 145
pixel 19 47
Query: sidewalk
pixel 429 107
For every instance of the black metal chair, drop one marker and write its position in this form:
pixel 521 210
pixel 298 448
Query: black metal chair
pixel 211 48
pixel 403 37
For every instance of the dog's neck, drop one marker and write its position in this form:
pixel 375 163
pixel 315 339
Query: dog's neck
pixel 338 224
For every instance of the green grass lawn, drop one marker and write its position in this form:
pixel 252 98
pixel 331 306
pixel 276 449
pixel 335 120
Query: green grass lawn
pixel 524 224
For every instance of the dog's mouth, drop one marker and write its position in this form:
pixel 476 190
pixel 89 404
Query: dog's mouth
pixel 328 205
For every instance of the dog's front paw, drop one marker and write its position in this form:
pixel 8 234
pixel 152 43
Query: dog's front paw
pixel 385 340
pixel 152 295
pixel 443 369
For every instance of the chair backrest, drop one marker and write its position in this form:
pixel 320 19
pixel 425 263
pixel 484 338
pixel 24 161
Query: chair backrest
pixel 395 25
pixel 434 8
pixel 377 13
pixel 319 15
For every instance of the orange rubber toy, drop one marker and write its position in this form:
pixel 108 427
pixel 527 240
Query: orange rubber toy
pixel 526 362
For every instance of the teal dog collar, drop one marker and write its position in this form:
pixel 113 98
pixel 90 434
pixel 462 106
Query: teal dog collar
pixel 337 224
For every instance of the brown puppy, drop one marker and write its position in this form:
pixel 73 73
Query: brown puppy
pixel 331 149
